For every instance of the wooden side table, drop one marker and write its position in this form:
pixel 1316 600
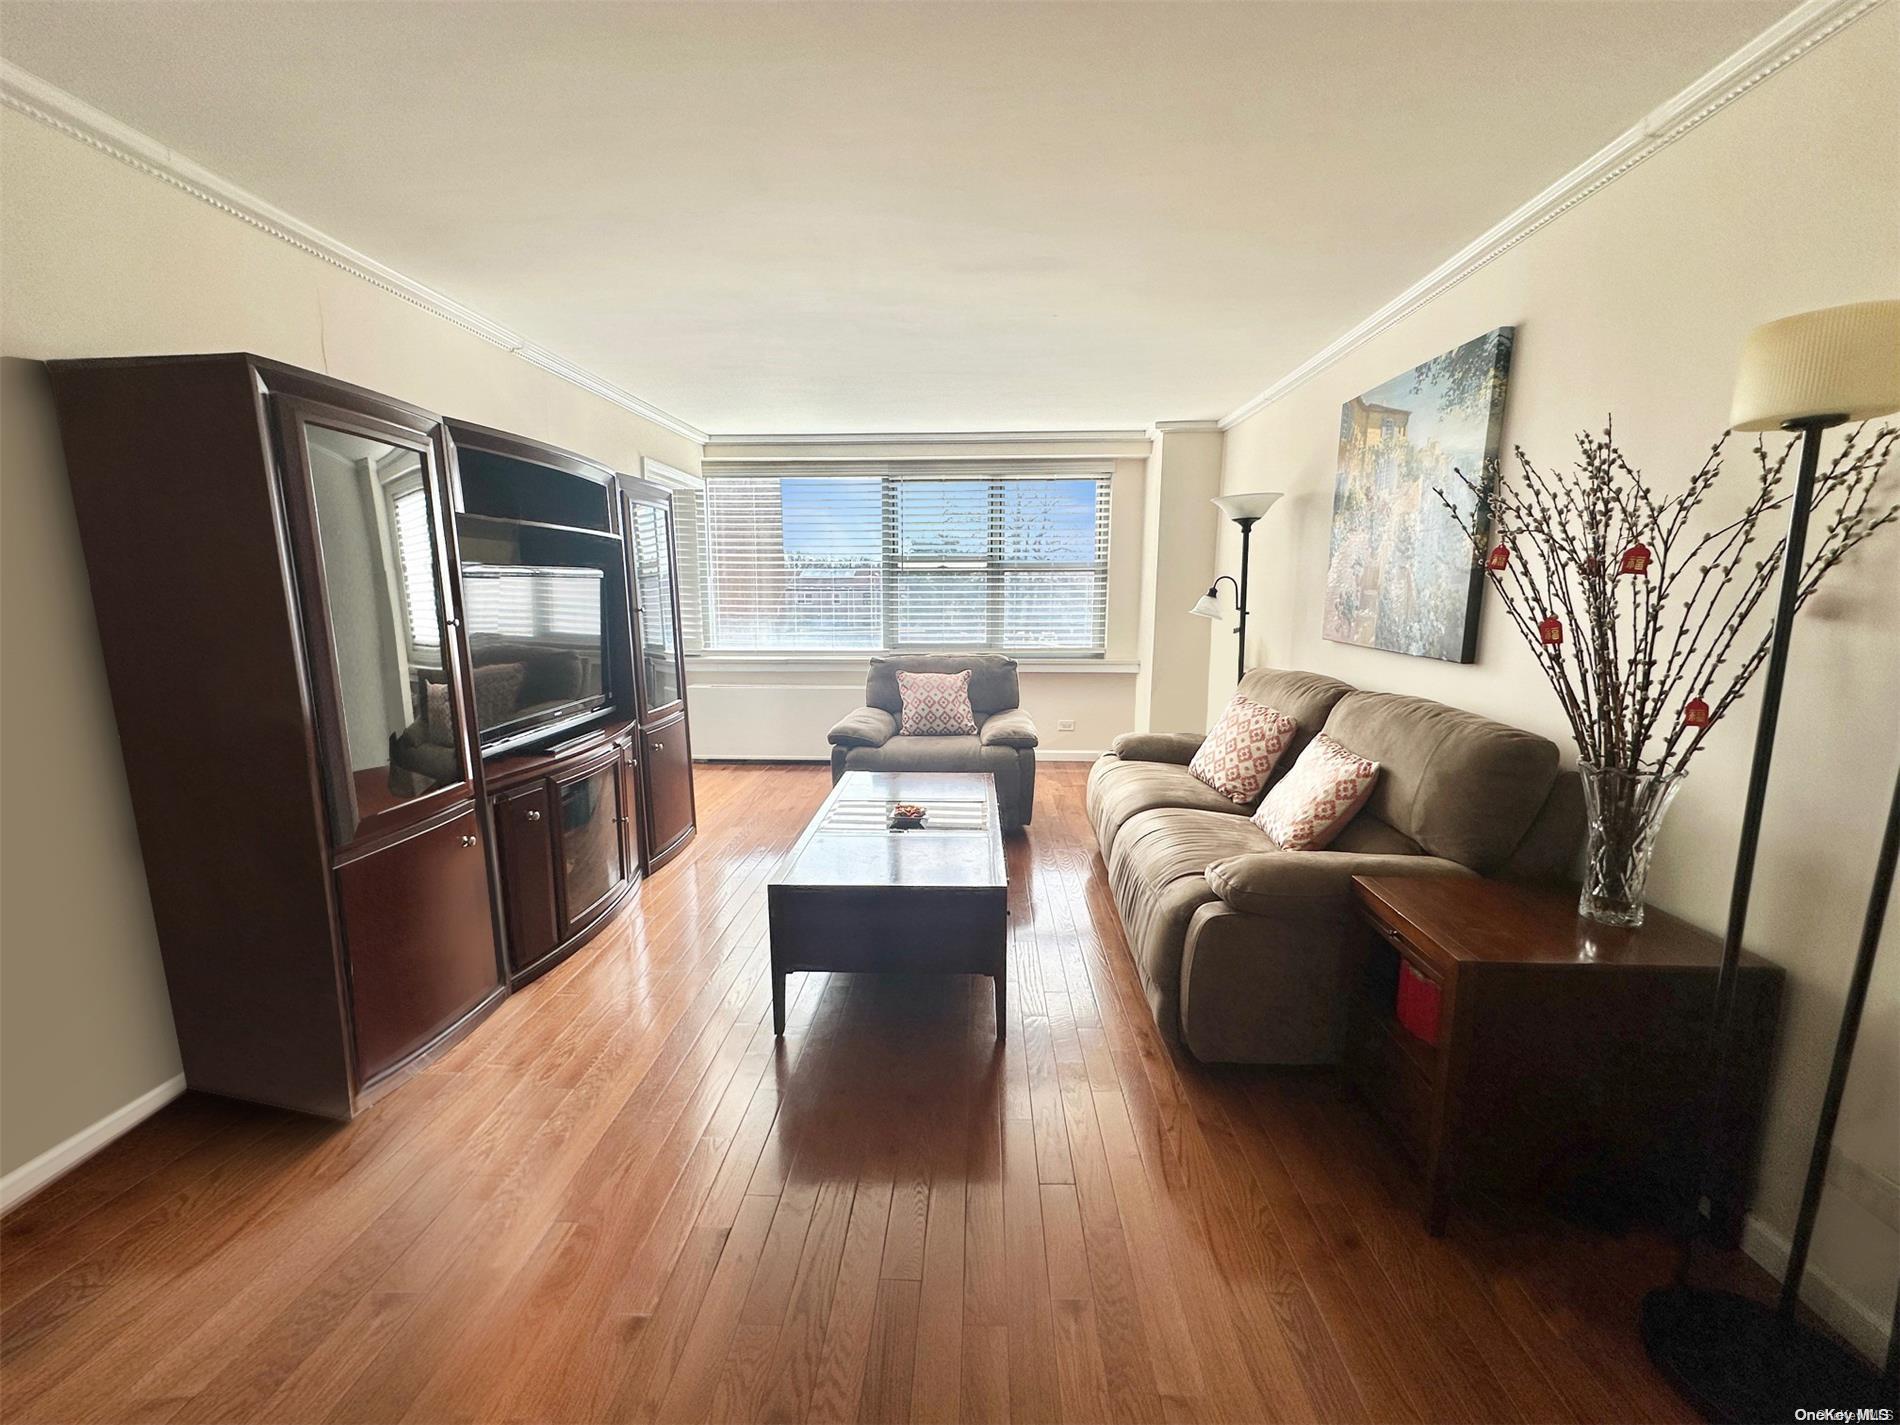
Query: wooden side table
pixel 1541 1052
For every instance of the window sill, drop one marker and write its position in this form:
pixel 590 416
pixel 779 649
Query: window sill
pixel 769 662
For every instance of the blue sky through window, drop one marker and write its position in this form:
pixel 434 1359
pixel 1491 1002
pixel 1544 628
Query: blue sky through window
pixel 841 517
pixel 832 517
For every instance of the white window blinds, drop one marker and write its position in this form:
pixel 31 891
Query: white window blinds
pixel 953 555
pixel 415 557
pixel 557 604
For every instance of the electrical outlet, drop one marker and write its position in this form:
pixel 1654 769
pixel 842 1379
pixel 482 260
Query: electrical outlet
pixel 1066 724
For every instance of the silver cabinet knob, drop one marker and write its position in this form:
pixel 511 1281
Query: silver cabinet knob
pixel 534 815
pixel 468 841
pixel 659 747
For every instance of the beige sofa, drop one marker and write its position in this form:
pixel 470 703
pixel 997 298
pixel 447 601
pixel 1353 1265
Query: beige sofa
pixel 1004 744
pixel 1244 949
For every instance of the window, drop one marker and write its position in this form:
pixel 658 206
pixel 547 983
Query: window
pixel 545 604
pixel 415 554
pixel 917 556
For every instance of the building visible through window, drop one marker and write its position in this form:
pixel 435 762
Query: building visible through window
pixel 1011 558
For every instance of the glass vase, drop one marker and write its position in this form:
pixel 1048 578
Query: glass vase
pixel 1625 810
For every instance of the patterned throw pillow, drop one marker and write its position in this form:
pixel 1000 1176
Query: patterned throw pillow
pixel 935 704
pixel 1314 801
pixel 1243 749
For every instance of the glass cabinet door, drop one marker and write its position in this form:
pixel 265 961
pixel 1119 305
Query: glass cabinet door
pixel 592 859
pixel 394 735
pixel 658 652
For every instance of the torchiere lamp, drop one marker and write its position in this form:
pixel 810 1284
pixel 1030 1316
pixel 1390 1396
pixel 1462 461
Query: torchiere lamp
pixel 1245 511
pixel 1732 1358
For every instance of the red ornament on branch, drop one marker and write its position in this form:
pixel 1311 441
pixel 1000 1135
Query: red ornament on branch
pixel 1696 713
pixel 1635 560
pixel 1551 630
pixel 1497 559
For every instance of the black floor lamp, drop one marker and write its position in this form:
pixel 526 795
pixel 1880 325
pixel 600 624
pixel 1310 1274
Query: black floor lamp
pixel 1734 1359
pixel 1245 511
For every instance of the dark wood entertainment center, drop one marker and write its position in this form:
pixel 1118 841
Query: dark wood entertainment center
pixel 369 802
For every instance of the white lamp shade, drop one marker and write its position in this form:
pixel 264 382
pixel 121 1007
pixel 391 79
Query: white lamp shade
pixel 1839 361
pixel 1247 507
pixel 1208 607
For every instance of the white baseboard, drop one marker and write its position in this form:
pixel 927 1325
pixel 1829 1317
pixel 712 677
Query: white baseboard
pixel 1042 755
pixel 20 1184
pixel 1860 1325
pixel 714 759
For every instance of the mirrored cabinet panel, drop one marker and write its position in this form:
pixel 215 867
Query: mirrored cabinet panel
pixel 651 536
pixel 667 813
pixel 375 512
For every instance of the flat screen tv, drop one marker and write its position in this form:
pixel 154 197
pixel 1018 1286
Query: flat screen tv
pixel 537 640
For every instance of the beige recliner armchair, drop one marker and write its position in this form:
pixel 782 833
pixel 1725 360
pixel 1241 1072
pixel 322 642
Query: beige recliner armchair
pixel 1004 744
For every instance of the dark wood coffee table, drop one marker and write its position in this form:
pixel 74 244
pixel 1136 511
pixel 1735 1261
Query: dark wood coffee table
pixel 854 896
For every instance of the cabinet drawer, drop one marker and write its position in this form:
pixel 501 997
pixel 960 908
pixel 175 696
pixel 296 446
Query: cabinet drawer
pixel 419 941
pixel 1401 944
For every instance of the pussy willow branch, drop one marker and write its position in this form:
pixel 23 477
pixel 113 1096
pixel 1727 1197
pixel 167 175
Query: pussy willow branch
pixel 1639 646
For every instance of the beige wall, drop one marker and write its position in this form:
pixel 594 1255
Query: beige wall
pixel 103 260
pixel 1636 302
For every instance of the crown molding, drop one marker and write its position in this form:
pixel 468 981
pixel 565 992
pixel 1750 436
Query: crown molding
pixel 670 476
pixel 1177 427
pixel 954 437
pixel 1776 47
pixel 68 114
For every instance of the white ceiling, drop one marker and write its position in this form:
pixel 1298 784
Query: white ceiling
pixel 894 217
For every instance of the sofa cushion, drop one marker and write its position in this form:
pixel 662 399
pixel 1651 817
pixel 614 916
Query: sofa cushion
pixel 935 704
pixel 1368 836
pixel 993 684
pixel 1307 698
pixel 1461 786
pixel 1119 790
pixel 1157 871
pixel 1246 744
pixel 932 754
pixel 1549 849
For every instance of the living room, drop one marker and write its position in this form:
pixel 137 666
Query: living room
pixel 509 978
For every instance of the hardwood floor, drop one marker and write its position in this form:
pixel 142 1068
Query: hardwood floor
pixel 620 1199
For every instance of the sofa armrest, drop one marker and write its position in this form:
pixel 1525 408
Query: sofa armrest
pixel 1278 882
pixel 1012 727
pixel 1176 747
pixel 867 727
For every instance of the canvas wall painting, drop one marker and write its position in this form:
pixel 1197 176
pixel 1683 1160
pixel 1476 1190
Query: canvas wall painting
pixel 1400 575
